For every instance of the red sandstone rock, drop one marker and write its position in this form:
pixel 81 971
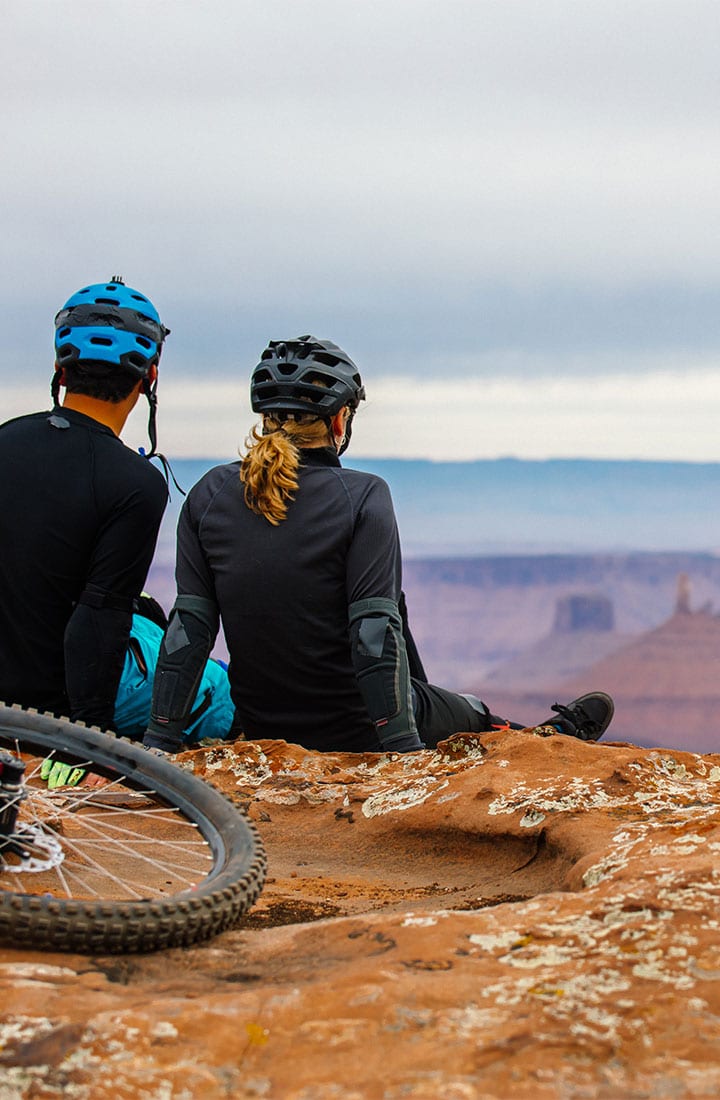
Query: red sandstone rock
pixel 665 685
pixel 597 975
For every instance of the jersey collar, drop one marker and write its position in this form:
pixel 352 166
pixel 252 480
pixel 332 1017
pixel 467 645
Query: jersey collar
pixel 318 456
pixel 72 416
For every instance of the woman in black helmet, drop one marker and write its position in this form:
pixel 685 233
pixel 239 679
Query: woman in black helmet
pixel 300 558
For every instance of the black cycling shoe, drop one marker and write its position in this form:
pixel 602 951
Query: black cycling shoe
pixel 587 717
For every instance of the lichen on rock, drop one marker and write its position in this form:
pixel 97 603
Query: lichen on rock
pixel 512 915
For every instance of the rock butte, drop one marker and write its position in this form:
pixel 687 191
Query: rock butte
pixel 524 917
pixel 672 669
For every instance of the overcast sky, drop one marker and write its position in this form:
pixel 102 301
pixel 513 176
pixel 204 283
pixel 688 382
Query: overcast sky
pixel 505 210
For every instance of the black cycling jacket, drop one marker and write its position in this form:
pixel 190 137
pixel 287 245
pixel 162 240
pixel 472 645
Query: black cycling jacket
pixel 79 518
pixel 283 594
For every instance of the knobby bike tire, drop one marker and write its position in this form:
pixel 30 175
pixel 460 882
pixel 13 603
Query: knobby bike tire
pixel 87 925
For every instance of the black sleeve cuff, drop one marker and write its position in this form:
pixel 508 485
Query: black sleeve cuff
pixel 404 742
pixel 167 740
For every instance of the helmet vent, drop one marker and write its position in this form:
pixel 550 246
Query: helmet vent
pixel 136 360
pixel 328 360
pixel 320 380
pixel 143 342
pixel 106 301
pixel 101 340
pixel 139 298
pixel 64 332
pixel 286 368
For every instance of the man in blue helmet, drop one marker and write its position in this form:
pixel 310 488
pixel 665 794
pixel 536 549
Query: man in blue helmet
pixel 80 514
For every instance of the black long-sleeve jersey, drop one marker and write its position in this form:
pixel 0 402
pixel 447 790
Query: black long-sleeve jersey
pixel 283 593
pixel 79 518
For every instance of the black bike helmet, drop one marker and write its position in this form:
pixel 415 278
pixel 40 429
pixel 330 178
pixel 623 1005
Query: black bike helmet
pixel 305 375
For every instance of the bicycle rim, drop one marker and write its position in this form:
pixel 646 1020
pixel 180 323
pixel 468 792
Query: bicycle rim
pixel 152 858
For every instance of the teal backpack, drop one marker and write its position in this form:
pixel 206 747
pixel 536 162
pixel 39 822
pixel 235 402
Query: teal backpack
pixel 213 711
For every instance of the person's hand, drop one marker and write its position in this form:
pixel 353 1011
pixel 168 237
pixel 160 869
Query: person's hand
pixel 57 774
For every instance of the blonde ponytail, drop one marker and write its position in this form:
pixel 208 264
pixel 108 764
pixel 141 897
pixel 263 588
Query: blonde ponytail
pixel 269 469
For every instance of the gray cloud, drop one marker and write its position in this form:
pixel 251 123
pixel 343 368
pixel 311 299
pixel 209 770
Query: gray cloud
pixel 426 182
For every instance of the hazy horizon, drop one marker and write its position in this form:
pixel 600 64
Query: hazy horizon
pixel 510 506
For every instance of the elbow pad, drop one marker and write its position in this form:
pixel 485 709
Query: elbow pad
pixel 381 666
pixel 185 648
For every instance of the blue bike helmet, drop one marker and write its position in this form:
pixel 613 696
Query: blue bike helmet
pixel 109 323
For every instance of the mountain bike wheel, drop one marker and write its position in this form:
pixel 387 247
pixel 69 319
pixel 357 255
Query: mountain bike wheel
pixel 154 858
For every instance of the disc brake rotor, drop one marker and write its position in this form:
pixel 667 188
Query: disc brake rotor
pixel 44 852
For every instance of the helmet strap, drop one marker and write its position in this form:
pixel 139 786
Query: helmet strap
pixel 55 387
pixel 150 390
pixel 348 433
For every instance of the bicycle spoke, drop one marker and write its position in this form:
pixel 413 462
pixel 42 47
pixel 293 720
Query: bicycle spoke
pixel 82 868
pixel 96 837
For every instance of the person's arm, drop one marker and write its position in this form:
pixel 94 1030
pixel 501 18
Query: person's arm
pixel 377 644
pixel 96 639
pixel 97 632
pixel 188 640
pixel 184 651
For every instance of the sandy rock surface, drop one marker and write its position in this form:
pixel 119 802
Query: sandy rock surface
pixel 525 917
